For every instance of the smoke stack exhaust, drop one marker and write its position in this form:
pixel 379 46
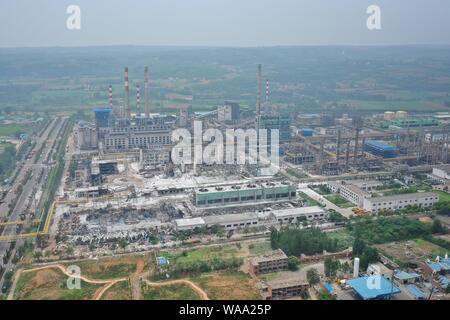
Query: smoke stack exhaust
pixel 127 94
pixel 146 93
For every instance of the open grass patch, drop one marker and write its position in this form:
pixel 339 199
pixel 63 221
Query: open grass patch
pixel 118 291
pixel 230 284
pixel 339 201
pixel 169 292
pixel 51 284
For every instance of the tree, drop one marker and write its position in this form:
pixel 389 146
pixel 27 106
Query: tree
pixel 437 227
pixel 331 267
pixel 313 277
pixel 293 263
pixel 325 295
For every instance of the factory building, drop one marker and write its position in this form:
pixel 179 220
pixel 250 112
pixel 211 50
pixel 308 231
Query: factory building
pixel 189 223
pixel 87 136
pixel 273 261
pixel 354 194
pixel 442 172
pixel 380 149
pixel 91 192
pixel 141 133
pixel 102 117
pixel 292 215
pixel 400 201
pixel 227 221
pixel 233 221
pixel 229 111
pixel 282 123
pixel 250 193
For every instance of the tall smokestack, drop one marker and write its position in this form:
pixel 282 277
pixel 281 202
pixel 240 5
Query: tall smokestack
pixel 138 99
pixel 258 97
pixel 146 94
pixel 127 94
pixel 110 96
pixel 267 90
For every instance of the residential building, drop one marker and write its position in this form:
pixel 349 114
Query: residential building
pixel 273 261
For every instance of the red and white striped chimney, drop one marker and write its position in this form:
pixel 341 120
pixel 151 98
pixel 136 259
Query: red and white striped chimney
pixel 267 90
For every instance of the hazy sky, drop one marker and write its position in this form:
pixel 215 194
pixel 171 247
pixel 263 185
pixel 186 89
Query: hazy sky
pixel 223 22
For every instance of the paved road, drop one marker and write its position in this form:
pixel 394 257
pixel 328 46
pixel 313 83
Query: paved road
pixel 30 187
pixel 303 187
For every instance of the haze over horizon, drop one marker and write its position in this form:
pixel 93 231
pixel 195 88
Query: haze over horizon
pixel 223 23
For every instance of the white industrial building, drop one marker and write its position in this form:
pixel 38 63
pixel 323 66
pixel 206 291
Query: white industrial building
pixel 251 219
pixel 87 137
pixel 291 215
pixel 441 173
pixel 233 221
pixel 400 201
pixel 353 194
pixel 189 223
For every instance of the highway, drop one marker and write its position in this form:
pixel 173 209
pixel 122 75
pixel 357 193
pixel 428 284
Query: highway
pixel 30 188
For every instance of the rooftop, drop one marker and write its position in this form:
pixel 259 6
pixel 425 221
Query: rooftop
pixel 415 291
pixel 286 283
pixel 230 218
pixel 189 222
pixel 249 186
pixel 373 287
pixel 405 196
pixel 402 275
pixel 442 265
pixel 381 145
pixel 355 189
pixel 297 211
pixel 270 256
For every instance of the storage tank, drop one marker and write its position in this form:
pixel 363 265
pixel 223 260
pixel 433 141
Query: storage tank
pixel 389 115
pixel 306 132
pixel 356 268
pixel 401 114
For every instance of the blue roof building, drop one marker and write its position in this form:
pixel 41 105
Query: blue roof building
pixel 373 287
pixel 406 277
pixel 415 291
pixel 162 261
pixel 443 266
pixel 379 148
pixel 328 287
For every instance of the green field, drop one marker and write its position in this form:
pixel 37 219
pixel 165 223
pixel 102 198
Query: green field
pixel 50 284
pixel 14 129
pixel 201 254
pixel 443 196
pixel 339 201
pixel 169 292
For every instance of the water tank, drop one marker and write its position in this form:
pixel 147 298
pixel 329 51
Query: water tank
pixel 356 268
pixel 401 114
pixel 389 115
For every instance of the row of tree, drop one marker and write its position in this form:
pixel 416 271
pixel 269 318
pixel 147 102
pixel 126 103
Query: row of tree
pixel 302 241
